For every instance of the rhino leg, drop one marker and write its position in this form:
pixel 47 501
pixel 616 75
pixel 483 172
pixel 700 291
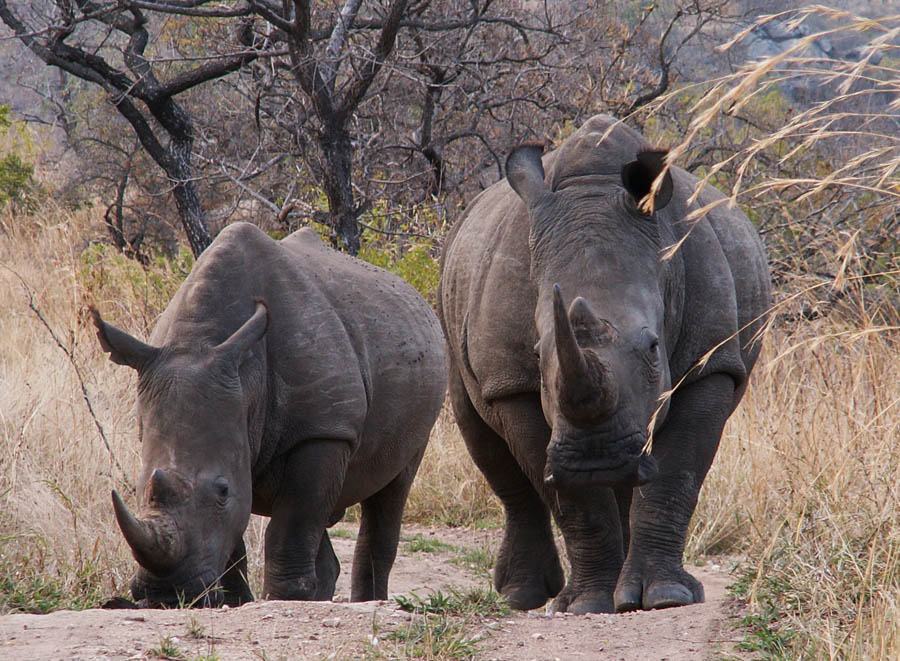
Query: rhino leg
pixel 527 572
pixel 590 523
pixel 653 575
pixel 328 568
pixel 234 580
pixel 379 534
pixel 301 512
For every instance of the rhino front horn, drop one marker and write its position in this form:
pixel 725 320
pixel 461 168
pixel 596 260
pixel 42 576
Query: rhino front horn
pixel 154 548
pixel 571 360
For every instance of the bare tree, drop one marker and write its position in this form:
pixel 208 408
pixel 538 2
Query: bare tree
pixel 371 107
pixel 81 37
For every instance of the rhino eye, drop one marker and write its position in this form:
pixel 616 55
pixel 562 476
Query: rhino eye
pixel 650 341
pixel 221 489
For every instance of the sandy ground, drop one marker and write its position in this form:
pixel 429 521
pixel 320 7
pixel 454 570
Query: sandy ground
pixel 271 630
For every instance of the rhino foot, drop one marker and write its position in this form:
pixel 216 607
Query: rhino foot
pixel 579 603
pixel 528 579
pixel 673 588
pixel 301 588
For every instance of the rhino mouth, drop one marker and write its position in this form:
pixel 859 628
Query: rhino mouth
pixel 200 591
pixel 619 463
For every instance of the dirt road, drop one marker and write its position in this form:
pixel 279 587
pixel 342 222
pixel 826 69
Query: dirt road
pixel 437 558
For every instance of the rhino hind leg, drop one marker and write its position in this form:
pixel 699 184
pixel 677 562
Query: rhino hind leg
pixel 379 534
pixel 234 580
pixel 527 571
pixel 653 575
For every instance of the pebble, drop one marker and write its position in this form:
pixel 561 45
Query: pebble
pixel 538 636
pixel 331 622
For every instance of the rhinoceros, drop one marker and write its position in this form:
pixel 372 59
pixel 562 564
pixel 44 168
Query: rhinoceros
pixel 287 380
pixel 568 327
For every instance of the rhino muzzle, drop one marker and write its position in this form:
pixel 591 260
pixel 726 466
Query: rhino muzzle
pixel 152 591
pixel 618 464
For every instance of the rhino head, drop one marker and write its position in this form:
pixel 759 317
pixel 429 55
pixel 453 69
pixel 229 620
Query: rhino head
pixel 194 490
pixel 602 357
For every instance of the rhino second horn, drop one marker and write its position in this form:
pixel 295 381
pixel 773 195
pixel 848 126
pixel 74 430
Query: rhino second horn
pixel 145 540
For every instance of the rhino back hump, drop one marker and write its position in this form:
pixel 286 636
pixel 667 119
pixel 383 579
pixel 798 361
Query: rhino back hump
pixel 345 339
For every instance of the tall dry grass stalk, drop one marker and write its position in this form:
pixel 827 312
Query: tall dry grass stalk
pixel 59 540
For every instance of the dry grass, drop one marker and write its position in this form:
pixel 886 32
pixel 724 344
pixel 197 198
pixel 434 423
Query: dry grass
pixel 56 526
pixel 806 485
pixel 806 481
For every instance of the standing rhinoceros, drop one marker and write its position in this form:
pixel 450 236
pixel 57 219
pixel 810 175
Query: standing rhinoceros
pixel 566 326
pixel 287 380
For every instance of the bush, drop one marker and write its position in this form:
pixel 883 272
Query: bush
pixel 17 183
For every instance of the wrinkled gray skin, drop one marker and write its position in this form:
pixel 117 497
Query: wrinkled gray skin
pixel 564 327
pixel 287 380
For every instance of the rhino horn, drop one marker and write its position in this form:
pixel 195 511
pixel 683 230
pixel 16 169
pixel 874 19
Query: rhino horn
pixel 162 488
pixel 154 548
pixel 582 382
pixel 572 363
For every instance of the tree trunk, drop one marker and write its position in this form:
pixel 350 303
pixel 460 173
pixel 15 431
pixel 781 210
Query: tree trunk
pixel 179 167
pixel 338 149
pixel 192 216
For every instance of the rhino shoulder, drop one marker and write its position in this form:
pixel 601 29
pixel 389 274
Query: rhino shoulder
pixel 485 266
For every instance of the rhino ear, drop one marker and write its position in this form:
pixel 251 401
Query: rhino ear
pixel 235 347
pixel 638 177
pixel 123 349
pixel 525 173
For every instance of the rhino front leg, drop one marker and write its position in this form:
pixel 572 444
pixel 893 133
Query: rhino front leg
pixel 296 543
pixel 527 571
pixel 234 581
pixel 379 534
pixel 653 575
pixel 589 520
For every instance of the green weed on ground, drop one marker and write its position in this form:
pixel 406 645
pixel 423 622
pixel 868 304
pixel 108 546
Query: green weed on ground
pixel 441 628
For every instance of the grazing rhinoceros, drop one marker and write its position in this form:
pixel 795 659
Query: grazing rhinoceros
pixel 566 326
pixel 287 380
